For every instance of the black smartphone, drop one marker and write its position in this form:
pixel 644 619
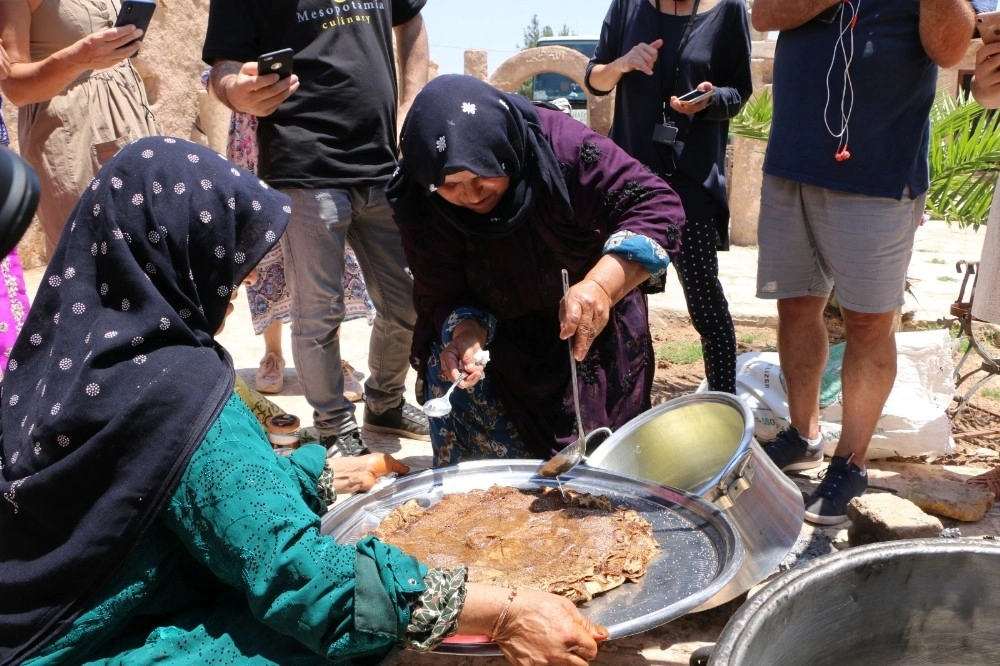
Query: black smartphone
pixel 276 62
pixel 830 14
pixel 136 12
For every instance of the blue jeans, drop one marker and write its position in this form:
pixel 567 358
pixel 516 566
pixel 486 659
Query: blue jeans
pixel 321 222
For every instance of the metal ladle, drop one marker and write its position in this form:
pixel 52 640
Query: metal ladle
pixel 570 456
pixel 438 407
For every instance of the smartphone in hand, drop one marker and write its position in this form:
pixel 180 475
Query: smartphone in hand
pixel 136 12
pixel 696 96
pixel 276 62
pixel 988 26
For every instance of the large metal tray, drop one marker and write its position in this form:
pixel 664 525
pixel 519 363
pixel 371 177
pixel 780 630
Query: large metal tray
pixel 700 551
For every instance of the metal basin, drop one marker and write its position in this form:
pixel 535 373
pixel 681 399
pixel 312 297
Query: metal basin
pixel 700 552
pixel 919 601
pixel 704 444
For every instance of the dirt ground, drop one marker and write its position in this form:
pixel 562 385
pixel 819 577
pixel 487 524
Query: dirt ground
pixel 975 430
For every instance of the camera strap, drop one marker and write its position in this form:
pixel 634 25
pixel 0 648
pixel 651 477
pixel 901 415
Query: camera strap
pixel 665 90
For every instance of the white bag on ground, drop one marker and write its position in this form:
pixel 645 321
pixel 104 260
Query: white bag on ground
pixel 913 422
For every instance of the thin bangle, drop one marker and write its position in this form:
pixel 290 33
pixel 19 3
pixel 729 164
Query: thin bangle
pixel 503 612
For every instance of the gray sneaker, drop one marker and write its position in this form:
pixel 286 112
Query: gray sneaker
pixel 403 420
pixel 842 482
pixel 791 452
pixel 346 445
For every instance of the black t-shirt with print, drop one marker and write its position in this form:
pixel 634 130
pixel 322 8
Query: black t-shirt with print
pixel 339 128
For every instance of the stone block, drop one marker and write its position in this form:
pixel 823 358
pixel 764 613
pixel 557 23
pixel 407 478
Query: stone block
pixel 952 499
pixel 885 517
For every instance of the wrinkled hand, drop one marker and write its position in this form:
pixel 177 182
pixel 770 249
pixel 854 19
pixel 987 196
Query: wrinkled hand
pixel 468 339
pixel 258 94
pixel 378 465
pixel 542 628
pixel 986 82
pixel 4 63
pixel 106 48
pixel 689 108
pixel 583 314
pixel 351 475
pixel 640 57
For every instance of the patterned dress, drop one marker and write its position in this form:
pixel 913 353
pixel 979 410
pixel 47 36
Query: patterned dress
pixel 14 304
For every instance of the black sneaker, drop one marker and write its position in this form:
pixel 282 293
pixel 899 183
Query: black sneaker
pixel 403 420
pixel 791 452
pixel 842 482
pixel 348 444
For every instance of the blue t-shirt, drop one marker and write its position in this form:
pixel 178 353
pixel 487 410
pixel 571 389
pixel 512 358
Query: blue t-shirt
pixel 892 86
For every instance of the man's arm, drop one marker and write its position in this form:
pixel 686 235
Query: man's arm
pixel 238 86
pixel 770 15
pixel 413 58
pixel 946 30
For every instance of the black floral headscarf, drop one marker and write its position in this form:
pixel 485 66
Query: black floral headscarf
pixel 116 376
pixel 459 123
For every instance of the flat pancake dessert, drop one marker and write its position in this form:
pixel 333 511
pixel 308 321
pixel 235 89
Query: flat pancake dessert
pixel 565 542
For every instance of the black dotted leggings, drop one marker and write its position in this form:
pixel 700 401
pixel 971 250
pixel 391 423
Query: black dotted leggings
pixel 698 271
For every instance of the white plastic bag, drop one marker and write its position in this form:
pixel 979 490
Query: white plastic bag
pixel 913 421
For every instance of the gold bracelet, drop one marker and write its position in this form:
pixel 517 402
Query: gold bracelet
pixel 503 612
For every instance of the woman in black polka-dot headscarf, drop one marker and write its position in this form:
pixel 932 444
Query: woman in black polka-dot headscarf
pixel 118 351
pixel 143 514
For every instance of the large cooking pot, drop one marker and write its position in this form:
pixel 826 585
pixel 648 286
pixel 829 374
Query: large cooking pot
pixel 918 601
pixel 704 444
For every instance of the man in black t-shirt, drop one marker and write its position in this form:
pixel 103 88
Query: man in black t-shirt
pixel 327 138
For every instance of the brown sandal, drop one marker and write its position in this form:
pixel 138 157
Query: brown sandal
pixel 989 480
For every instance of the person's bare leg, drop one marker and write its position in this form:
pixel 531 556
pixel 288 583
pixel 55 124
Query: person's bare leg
pixel 867 377
pixel 270 374
pixel 803 348
pixel 272 338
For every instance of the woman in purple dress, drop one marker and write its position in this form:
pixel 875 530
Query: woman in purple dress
pixel 494 197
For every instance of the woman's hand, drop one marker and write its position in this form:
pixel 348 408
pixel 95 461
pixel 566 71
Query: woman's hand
pixel 584 311
pixel 537 629
pixel 583 314
pixel 986 80
pixel 640 57
pixel 467 340
pixel 692 108
pixel 352 475
pixel 105 48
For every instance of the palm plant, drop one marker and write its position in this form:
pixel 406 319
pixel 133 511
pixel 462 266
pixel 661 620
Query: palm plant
pixel 964 160
pixel 754 119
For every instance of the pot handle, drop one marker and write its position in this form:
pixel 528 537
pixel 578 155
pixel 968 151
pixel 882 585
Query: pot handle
pixel 599 431
pixel 701 656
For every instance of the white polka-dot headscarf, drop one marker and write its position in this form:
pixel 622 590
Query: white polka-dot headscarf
pixel 116 376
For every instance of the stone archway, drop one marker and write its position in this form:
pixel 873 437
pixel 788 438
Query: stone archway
pixel 561 60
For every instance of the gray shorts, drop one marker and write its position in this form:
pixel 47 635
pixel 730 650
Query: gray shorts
pixel 814 240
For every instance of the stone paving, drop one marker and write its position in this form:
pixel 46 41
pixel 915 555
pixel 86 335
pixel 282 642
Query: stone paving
pixel 935 285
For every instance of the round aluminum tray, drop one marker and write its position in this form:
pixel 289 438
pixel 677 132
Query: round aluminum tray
pixel 700 551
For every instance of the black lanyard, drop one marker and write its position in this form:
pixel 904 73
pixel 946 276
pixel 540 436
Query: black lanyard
pixel 680 47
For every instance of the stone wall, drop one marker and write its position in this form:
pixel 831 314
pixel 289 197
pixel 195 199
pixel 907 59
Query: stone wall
pixel 170 65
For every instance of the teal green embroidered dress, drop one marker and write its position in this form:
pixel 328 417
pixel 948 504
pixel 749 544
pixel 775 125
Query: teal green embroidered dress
pixel 237 530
